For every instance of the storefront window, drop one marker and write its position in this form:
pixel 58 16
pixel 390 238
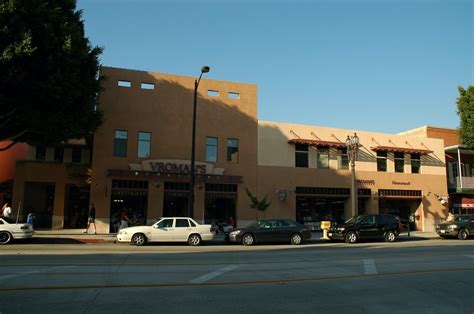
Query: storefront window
pixel 382 161
pixel 211 149
pixel 120 143
pixel 415 163
pixel 301 155
pixel 232 150
pixel 40 152
pixel 323 158
pixel 58 154
pixel 76 155
pixel 144 144
pixel 399 162
pixel 342 158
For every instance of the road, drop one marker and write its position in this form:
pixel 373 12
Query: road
pixel 424 276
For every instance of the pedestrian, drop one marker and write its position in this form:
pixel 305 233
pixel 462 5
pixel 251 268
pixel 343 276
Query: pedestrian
pixel 232 221
pixel 30 219
pixel 91 219
pixel 124 221
pixel 6 211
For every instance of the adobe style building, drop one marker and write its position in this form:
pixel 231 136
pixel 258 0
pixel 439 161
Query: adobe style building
pixel 459 168
pixel 139 160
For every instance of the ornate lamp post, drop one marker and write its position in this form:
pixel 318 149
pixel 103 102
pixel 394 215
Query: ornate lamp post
pixel 204 69
pixel 352 144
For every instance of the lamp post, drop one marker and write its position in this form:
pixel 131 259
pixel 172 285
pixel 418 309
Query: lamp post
pixel 352 144
pixel 204 69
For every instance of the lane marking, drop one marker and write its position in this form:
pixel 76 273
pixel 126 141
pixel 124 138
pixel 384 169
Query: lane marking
pixel 32 272
pixel 214 274
pixel 369 267
pixel 469 255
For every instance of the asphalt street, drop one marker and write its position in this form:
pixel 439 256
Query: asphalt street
pixel 418 276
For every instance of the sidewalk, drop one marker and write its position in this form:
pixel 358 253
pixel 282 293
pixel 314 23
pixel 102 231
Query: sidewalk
pixel 77 236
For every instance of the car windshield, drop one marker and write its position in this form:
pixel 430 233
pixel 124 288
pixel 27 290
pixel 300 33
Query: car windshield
pixel 354 220
pixel 461 218
pixel 8 220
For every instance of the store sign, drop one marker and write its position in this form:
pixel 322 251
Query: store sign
pixel 400 182
pixel 176 166
pixel 365 182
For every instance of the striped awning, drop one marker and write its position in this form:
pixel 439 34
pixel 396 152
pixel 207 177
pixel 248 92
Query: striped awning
pixel 312 142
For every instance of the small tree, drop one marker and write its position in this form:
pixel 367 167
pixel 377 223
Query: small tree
pixel 260 206
pixel 465 104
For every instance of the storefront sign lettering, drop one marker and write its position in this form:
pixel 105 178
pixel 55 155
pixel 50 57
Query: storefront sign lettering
pixel 400 183
pixel 365 182
pixel 176 168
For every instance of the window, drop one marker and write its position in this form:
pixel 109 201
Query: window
pixel 76 155
pixel 342 158
pixel 232 150
pixel 301 155
pixel 58 154
pixel 213 93
pixel 399 162
pixel 182 223
pixel 144 142
pixel 381 161
pixel 40 153
pixel 323 158
pixel 211 149
pixel 233 95
pixel 120 143
pixel 192 223
pixel 147 86
pixel 124 83
pixel 165 223
pixel 415 163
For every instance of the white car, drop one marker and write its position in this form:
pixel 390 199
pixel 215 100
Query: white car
pixel 168 229
pixel 11 231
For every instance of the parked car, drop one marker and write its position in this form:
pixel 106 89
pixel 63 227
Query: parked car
pixel 271 230
pixel 168 229
pixel 462 227
pixel 382 226
pixel 10 230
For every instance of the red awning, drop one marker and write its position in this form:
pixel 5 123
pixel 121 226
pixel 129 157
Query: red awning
pixel 317 143
pixel 401 150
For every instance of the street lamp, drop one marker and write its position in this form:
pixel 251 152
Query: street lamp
pixel 352 144
pixel 204 69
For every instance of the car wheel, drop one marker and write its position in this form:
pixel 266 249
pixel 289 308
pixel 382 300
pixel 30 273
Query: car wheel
pixel 5 237
pixel 194 240
pixel 390 236
pixel 296 239
pixel 463 235
pixel 139 239
pixel 351 237
pixel 248 239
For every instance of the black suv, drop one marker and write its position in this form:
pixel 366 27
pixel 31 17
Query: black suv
pixel 462 227
pixel 367 227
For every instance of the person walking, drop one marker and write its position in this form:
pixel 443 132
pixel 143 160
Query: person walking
pixel 124 220
pixel 91 219
pixel 6 211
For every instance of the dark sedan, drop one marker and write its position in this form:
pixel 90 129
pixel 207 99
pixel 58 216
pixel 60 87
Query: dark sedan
pixel 271 230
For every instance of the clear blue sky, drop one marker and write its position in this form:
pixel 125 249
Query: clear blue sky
pixel 379 65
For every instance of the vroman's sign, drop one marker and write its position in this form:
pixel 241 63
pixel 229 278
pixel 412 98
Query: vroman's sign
pixel 176 166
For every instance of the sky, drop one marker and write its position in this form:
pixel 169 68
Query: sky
pixel 374 65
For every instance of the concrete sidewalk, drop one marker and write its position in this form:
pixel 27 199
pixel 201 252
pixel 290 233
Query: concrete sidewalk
pixel 77 235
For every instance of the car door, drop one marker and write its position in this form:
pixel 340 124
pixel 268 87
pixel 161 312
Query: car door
pixel 162 231
pixel 368 227
pixel 283 230
pixel 266 231
pixel 181 230
pixel 470 225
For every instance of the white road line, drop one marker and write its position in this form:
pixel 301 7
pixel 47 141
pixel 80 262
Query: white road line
pixel 469 255
pixel 32 272
pixel 369 267
pixel 214 274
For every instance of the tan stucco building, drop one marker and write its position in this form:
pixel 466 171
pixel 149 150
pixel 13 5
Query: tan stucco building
pixel 139 160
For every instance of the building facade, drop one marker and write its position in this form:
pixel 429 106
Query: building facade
pixel 139 161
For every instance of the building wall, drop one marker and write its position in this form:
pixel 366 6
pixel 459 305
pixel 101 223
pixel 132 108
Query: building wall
pixel 277 171
pixel 8 159
pixel 166 112
pixel 450 136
